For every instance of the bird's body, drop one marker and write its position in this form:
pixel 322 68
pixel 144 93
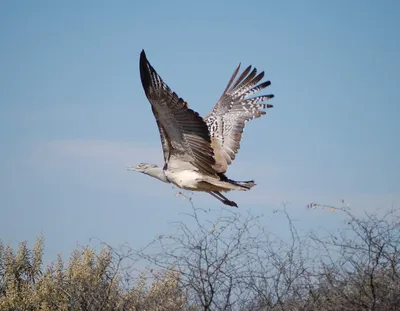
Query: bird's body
pixel 186 179
pixel 197 152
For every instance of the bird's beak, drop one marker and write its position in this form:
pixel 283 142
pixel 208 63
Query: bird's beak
pixel 131 168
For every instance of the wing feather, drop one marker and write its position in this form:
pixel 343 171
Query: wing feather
pixel 227 120
pixel 185 132
pixel 163 136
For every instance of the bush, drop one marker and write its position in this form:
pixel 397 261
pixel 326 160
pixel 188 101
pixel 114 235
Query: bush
pixel 89 281
pixel 232 263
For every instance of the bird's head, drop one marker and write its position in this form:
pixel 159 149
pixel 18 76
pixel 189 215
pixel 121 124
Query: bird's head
pixel 143 167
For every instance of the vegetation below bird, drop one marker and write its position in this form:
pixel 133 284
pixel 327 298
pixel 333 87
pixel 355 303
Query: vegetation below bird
pixel 231 263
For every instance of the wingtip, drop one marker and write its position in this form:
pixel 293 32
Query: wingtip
pixel 144 68
pixel 266 84
pixel 143 58
pixel 269 97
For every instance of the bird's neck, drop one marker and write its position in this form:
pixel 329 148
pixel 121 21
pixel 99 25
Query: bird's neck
pixel 157 172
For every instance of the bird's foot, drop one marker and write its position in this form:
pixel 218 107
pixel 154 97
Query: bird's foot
pixel 130 168
pixel 230 203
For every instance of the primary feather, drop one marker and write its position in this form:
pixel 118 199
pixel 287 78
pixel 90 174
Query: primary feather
pixel 227 120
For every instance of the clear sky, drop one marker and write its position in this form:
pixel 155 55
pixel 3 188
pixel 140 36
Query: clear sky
pixel 73 113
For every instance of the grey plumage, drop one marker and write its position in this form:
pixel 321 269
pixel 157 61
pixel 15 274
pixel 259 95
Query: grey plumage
pixel 227 120
pixel 196 151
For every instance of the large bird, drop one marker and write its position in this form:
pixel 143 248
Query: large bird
pixel 197 151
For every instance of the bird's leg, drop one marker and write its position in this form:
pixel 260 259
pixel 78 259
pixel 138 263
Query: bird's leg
pixel 217 197
pixel 223 199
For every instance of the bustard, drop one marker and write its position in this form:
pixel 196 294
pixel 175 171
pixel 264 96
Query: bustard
pixel 197 151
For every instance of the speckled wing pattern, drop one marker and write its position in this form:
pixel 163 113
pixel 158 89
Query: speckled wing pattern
pixel 184 134
pixel 227 120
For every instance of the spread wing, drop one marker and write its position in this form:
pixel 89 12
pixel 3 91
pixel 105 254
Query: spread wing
pixel 227 120
pixel 184 134
pixel 163 136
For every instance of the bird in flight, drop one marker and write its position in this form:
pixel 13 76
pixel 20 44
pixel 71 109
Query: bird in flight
pixel 197 151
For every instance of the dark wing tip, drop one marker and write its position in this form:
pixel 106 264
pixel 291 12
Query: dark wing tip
pixel 145 71
pixel 143 58
pixel 265 84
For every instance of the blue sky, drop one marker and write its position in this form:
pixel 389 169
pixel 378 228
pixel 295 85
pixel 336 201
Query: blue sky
pixel 73 113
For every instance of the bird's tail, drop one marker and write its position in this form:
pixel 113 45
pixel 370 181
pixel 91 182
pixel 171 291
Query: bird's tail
pixel 247 185
pixel 239 185
pixel 225 184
